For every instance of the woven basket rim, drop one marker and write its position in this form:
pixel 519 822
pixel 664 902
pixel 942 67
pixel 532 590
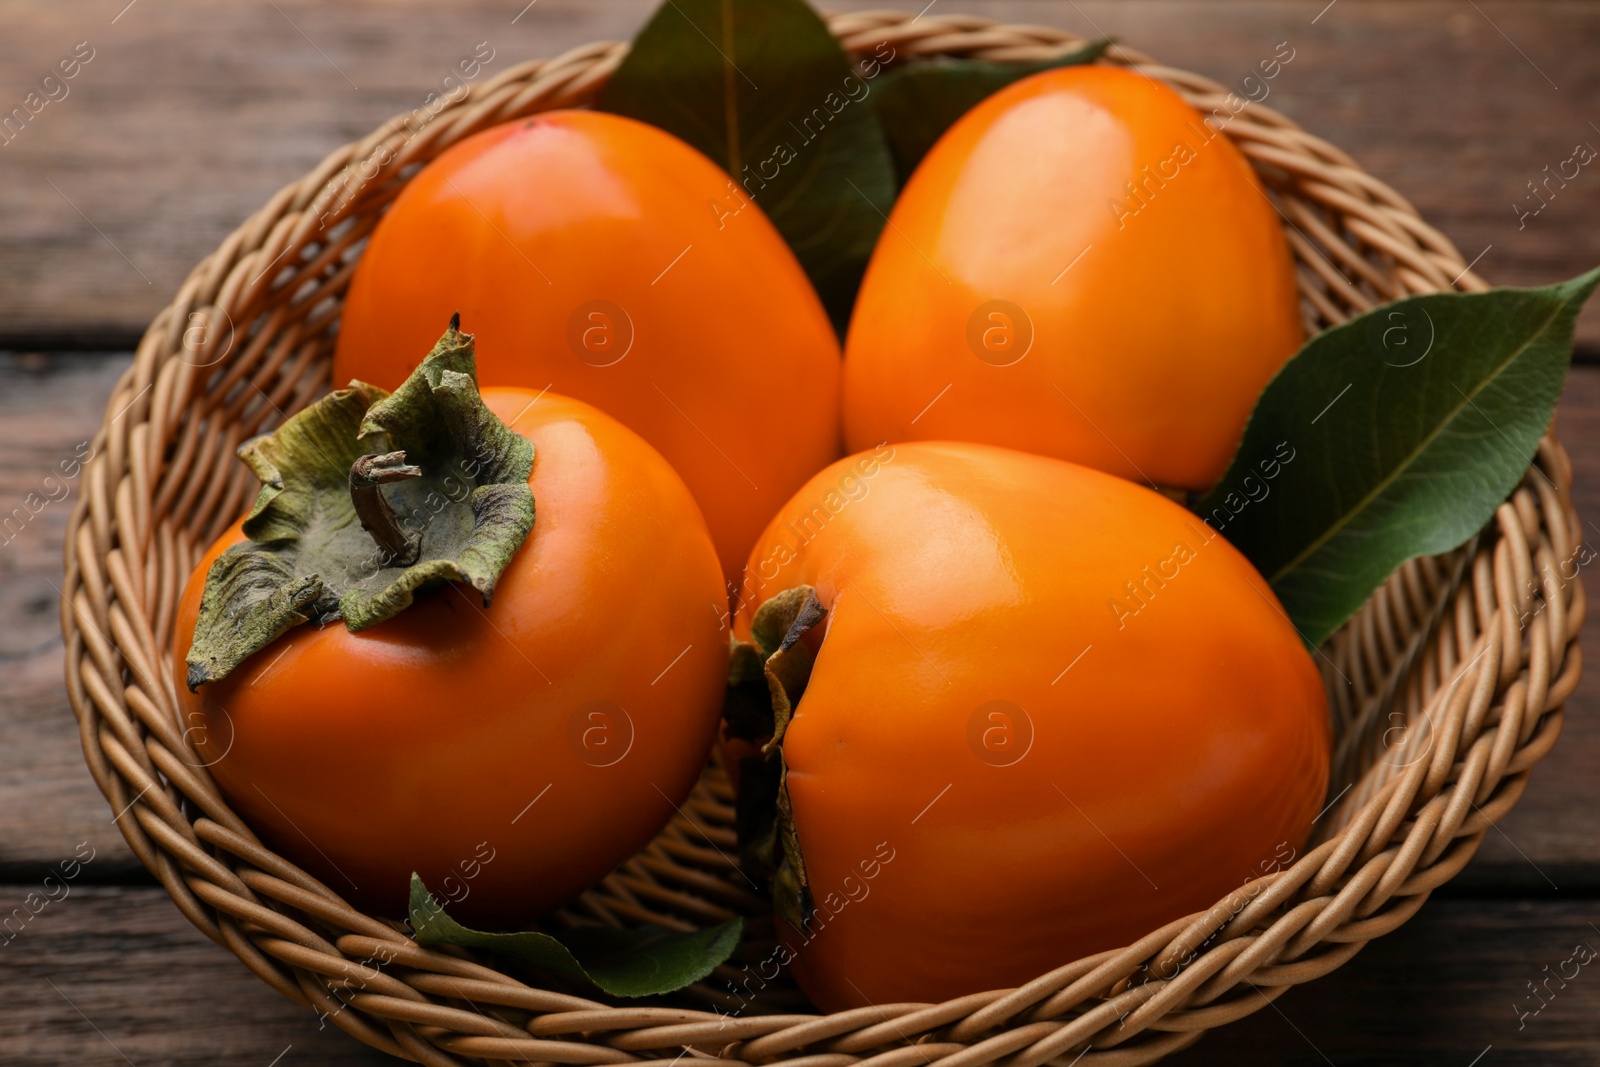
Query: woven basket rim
pixel 1477 647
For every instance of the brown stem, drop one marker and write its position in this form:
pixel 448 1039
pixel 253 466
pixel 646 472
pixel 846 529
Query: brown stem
pixel 377 517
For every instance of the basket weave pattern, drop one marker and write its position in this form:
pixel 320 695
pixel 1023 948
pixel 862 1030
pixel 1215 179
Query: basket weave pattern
pixel 1446 688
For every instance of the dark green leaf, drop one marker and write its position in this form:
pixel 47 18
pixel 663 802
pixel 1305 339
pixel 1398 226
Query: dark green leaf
pixel 1394 435
pixel 764 89
pixel 459 513
pixel 635 962
pixel 919 101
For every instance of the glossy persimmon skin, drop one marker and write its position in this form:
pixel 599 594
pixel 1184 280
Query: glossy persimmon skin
pixel 456 732
pixel 1145 762
pixel 609 261
pixel 1154 325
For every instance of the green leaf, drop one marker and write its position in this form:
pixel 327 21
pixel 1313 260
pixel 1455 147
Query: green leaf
pixel 764 90
pixel 458 510
pixel 634 962
pixel 1394 435
pixel 919 101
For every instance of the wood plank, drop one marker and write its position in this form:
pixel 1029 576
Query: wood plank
pixel 193 112
pixel 1443 989
pixel 50 407
pixel 51 404
pixel 1549 839
pixel 132 979
pixel 117 976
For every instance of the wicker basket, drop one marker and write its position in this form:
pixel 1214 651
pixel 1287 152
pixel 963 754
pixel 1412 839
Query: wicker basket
pixel 1446 688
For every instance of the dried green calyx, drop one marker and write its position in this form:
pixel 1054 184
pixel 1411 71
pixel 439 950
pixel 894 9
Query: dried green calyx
pixel 368 498
pixel 766 678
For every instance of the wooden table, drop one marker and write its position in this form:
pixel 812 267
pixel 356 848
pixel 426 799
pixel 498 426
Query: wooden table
pixel 190 113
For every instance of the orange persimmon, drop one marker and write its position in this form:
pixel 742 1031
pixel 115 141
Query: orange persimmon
pixel 513 751
pixel 1083 268
pixel 1047 711
pixel 606 260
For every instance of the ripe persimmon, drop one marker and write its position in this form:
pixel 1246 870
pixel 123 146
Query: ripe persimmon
pixel 1083 268
pixel 511 752
pixel 1025 711
pixel 606 260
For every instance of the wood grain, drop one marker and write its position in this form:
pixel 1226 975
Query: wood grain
pixel 1437 991
pixel 50 407
pixel 1548 841
pixel 193 112
pixel 132 978
pixel 1443 989
pixel 116 975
